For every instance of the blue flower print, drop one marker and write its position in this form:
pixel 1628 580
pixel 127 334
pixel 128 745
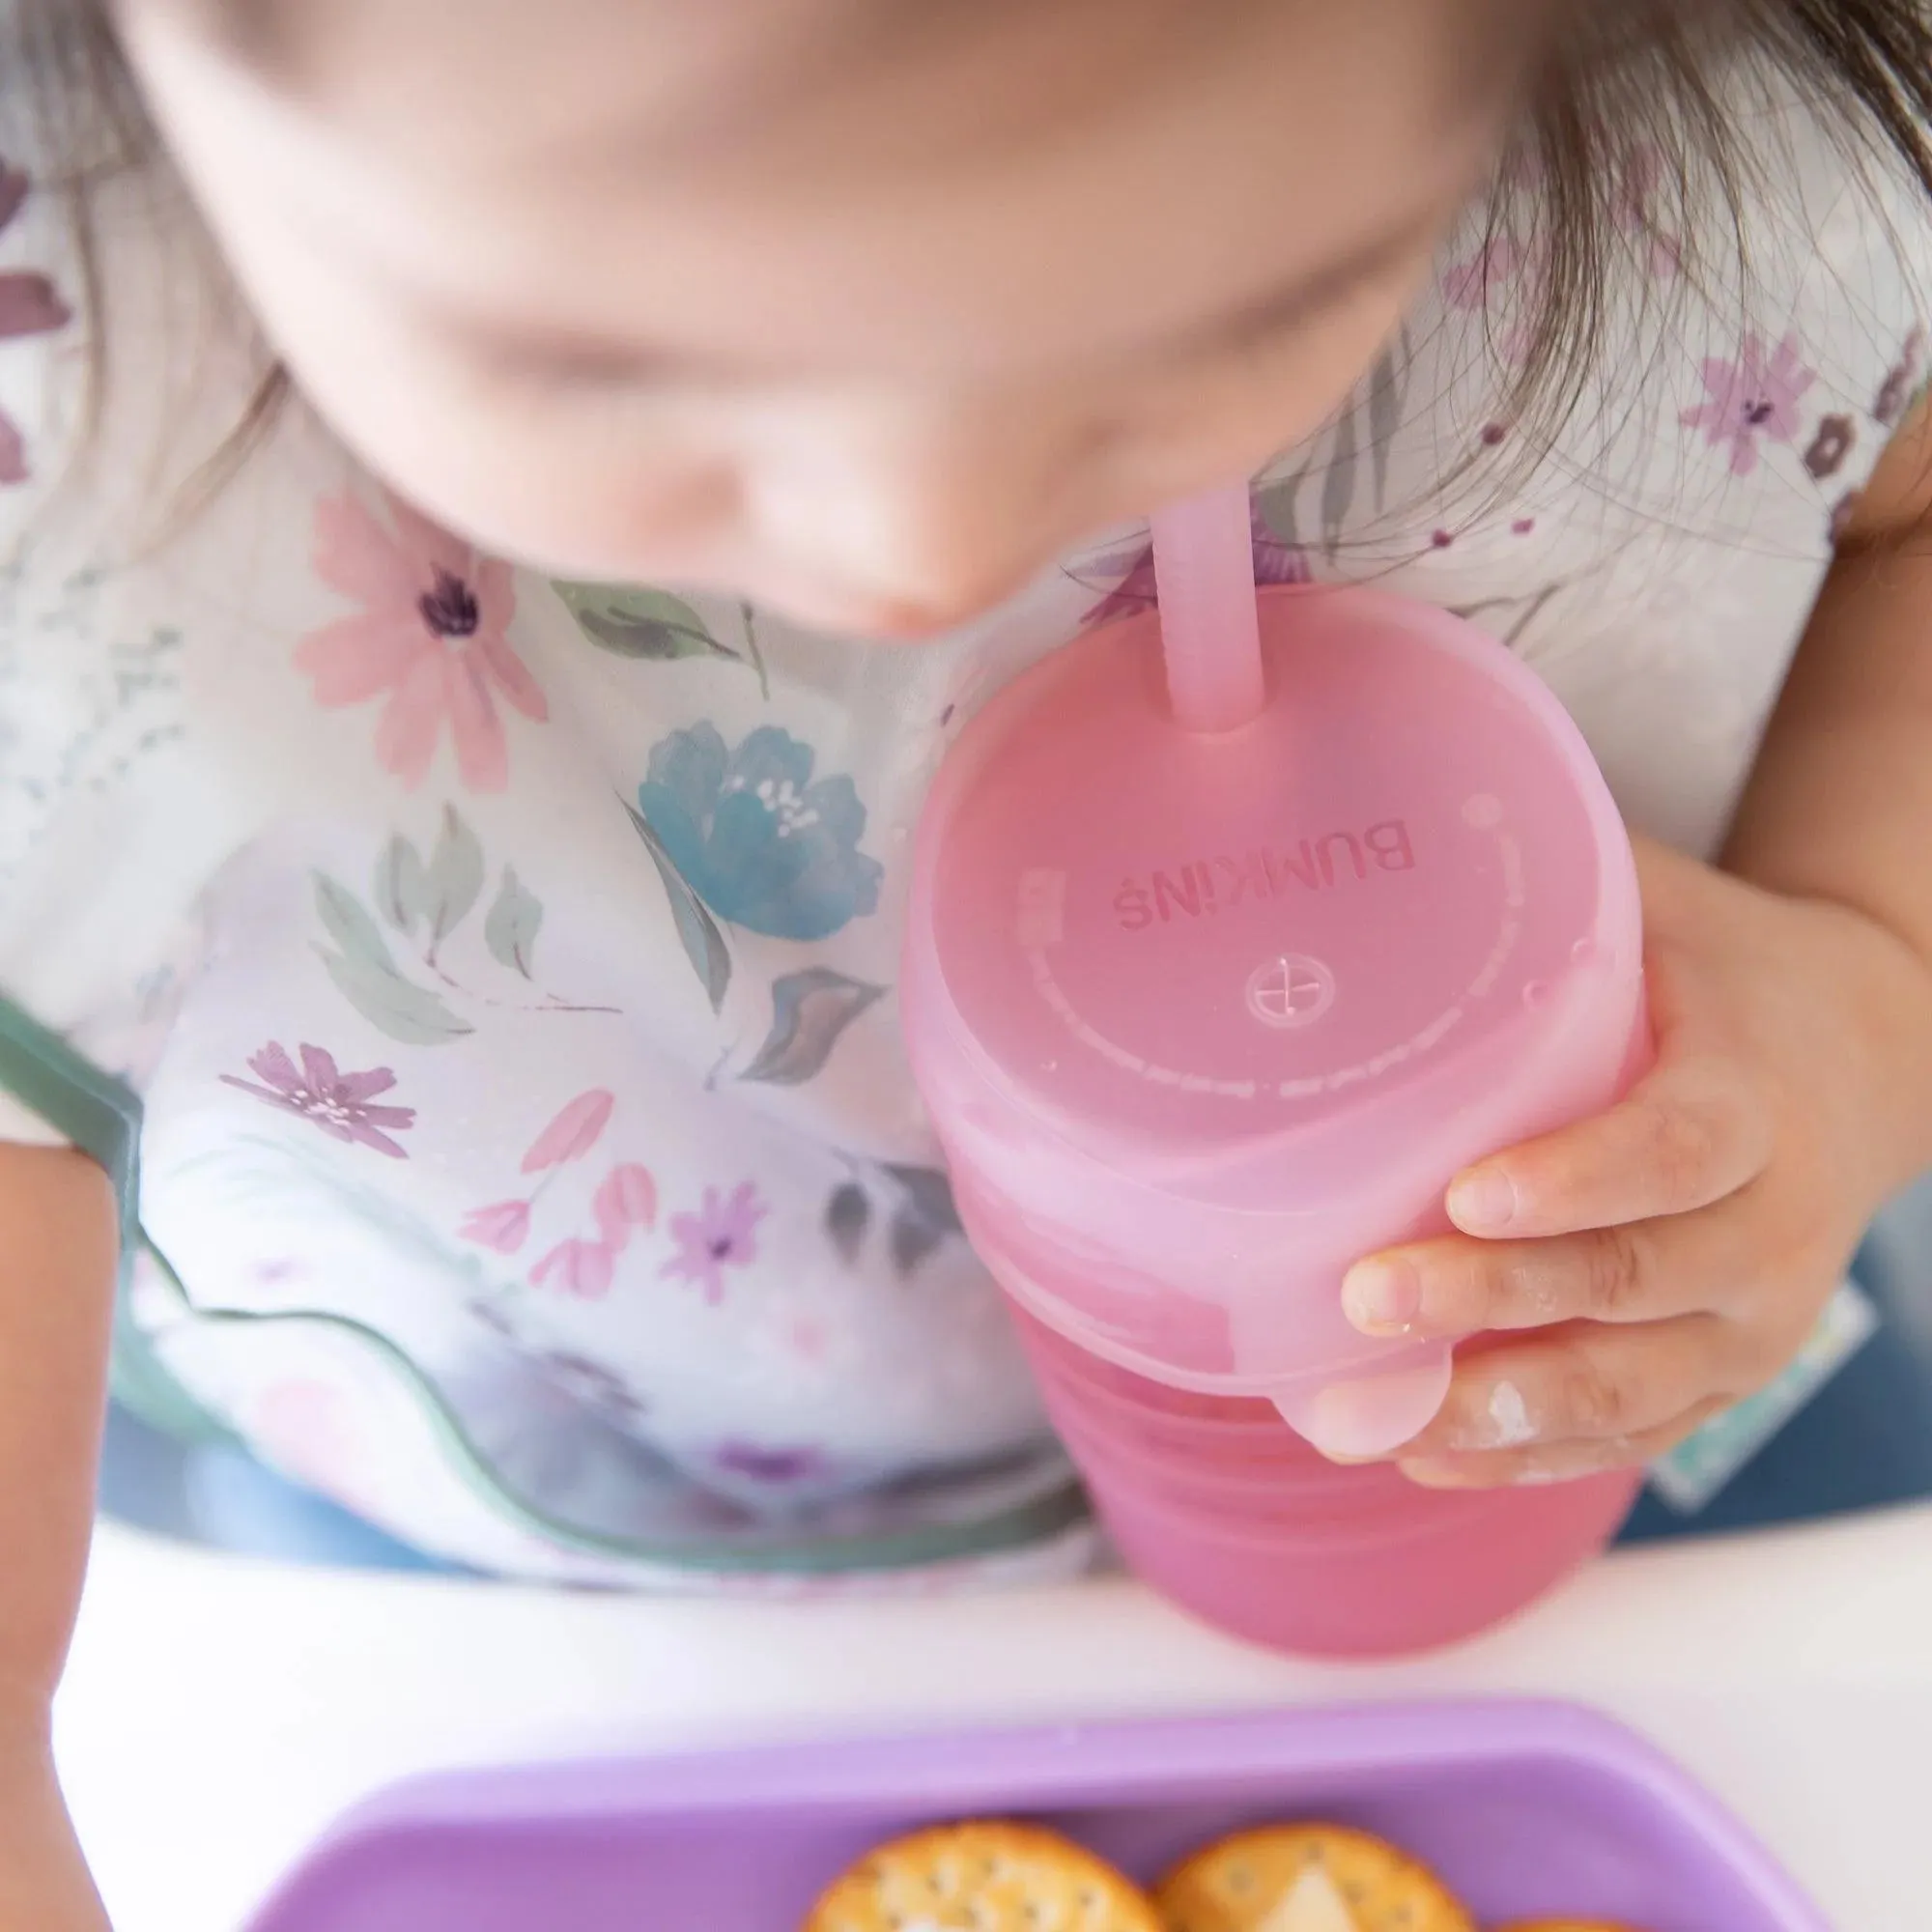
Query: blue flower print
pixel 755 837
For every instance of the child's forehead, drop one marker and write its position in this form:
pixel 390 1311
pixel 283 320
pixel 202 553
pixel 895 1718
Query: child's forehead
pixel 882 79
pixel 953 185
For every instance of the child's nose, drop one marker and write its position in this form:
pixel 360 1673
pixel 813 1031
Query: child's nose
pixel 930 521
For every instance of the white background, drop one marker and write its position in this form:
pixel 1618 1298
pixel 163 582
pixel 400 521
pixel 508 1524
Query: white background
pixel 219 1713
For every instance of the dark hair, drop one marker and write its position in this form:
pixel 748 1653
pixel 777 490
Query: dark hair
pixel 1620 74
pixel 1663 76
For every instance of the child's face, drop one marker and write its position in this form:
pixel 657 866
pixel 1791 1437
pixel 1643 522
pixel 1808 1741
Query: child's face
pixel 862 308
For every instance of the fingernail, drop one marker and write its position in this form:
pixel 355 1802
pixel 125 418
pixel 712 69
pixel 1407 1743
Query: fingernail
pixel 1383 1297
pixel 1483 1199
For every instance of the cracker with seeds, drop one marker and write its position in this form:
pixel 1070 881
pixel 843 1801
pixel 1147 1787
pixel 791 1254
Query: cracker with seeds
pixel 1567 1925
pixel 983 1878
pixel 1306 1878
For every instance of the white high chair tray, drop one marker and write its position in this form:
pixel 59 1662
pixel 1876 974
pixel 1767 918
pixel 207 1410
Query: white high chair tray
pixel 218 1713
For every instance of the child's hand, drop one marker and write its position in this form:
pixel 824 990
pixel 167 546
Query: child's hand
pixel 1674 1253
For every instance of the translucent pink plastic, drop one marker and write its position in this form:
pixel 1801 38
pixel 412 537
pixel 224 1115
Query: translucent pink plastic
pixel 1204 561
pixel 1216 1503
pixel 1204 1017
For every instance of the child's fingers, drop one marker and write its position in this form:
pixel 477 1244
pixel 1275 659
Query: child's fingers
pixel 1646 1271
pixel 1693 1133
pixel 1559 1461
pixel 1586 1384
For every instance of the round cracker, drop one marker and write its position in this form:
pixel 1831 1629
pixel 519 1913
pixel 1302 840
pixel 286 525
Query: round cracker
pixel 1282 1876
pixel 1567 1926
pixel 983 1878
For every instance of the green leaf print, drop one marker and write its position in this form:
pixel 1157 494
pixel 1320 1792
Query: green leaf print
pixel 402 891
pixel 366 974
pixel 703 944
pixel 510 928
pixel 929 1194
pixel 1338 485
pixel 1386 383
pixel 925 1217
pixel 636 621
pixel 809 1012
pixel 347 921
pixel 847 1214
pixel 454 882
pixel 1276 502
pixel 392 1004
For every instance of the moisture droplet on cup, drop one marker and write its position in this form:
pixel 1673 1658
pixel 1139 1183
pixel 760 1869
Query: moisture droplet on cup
pixel 1536 994
pixel 1584 952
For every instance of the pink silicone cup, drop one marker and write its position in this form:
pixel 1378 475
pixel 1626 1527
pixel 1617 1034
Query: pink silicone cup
pixel 1203 1020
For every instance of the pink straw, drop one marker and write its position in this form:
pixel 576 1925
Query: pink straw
pixel 1204 565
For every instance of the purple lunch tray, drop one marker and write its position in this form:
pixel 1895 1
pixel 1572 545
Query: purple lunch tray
pixel 1526 1809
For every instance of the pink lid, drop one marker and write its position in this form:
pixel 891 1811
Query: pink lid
pixel 1204 1018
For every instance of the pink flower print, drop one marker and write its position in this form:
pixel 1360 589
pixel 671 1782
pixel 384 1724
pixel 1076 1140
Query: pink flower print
pixel 338 1103
pixel 29 305
pixel 1494 266
pixel 1502 267
pixel 1635 213
pixel 504 1225
pixel 580 1268
pixel 721 1235
pixel 429 641
pixel 575 1131
pixel 628 1199
pixel 1754 397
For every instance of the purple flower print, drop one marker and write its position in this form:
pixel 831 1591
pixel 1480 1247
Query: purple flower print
pixel 778 1468
pixel 29 305
pixel 1903 382
pixel 1830 447
pixel 722 1234
pixel 1755 397
pixel 336 1102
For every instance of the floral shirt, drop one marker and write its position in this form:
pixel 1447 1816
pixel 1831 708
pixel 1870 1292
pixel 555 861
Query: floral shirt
pixel 507 967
